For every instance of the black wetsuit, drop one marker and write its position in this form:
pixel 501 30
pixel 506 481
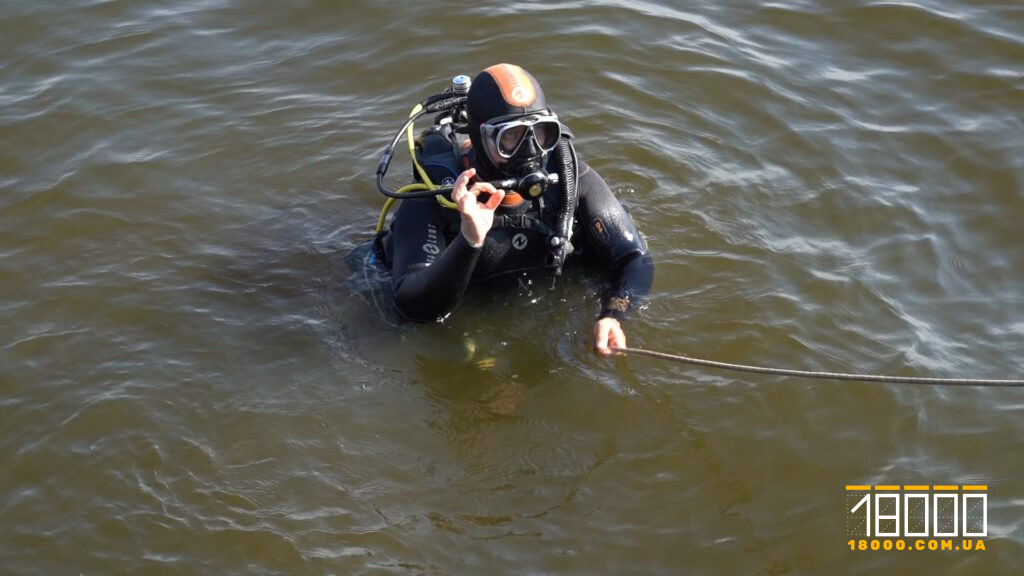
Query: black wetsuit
pixel 433 264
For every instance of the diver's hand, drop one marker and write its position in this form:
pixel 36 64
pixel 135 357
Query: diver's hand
pixel 608 334
pixel 477 217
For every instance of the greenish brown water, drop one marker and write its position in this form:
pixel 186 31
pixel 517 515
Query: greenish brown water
pixel 192 380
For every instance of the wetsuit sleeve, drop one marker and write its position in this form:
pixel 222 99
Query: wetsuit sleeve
pixel 612 235
pixel 430 276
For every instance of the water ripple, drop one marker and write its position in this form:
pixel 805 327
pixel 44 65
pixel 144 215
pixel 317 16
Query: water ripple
pixel 192 377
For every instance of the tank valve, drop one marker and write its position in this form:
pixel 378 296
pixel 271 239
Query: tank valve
pixel 461 84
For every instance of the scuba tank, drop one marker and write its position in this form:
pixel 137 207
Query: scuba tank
pixel 439 148
pixel 437 161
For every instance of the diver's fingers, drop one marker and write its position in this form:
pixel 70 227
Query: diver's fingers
pixel 459 188
pixel 601 339
pixel 466 201
pixel 608 336
pixel 495 199
pixel 617 337
pixel 480 187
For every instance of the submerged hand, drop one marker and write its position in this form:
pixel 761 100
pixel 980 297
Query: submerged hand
pixel 477 217
pixel 608 334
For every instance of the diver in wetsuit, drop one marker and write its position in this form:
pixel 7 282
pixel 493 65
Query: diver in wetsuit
pixel 435 252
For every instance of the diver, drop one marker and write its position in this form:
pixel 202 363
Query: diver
pixel 520 200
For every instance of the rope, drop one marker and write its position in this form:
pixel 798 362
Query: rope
pixel 827 375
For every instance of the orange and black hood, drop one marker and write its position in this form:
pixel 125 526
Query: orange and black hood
pixel 504 90
pixel 501 90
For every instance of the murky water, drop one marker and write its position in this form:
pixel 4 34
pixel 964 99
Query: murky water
pixel 192 380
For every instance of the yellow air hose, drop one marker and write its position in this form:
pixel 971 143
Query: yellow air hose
pixel 427 184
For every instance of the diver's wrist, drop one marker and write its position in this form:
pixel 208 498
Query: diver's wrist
pixel 471 242
pixel 618 315
pixel 471 235
pixel 615 307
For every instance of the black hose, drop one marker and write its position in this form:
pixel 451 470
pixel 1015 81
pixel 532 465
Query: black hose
pixel 569 172
pixel 431 105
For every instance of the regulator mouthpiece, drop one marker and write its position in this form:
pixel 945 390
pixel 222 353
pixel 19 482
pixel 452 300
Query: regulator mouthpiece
pixel 532 184
pixel 533 179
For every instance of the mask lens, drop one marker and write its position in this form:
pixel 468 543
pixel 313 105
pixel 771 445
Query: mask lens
pixel 547 133
pixel 509 139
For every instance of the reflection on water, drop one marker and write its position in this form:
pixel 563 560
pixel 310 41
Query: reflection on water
pixel 200 373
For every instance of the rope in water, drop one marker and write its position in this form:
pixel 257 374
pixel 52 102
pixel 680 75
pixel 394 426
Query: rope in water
pixel 826 375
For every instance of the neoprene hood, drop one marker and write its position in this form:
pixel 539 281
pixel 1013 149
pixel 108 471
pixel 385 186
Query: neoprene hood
pixel 502 90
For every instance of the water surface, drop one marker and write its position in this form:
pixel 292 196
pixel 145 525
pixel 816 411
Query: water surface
pixel 192 381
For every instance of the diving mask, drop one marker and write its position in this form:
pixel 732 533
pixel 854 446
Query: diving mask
pixel 503 138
